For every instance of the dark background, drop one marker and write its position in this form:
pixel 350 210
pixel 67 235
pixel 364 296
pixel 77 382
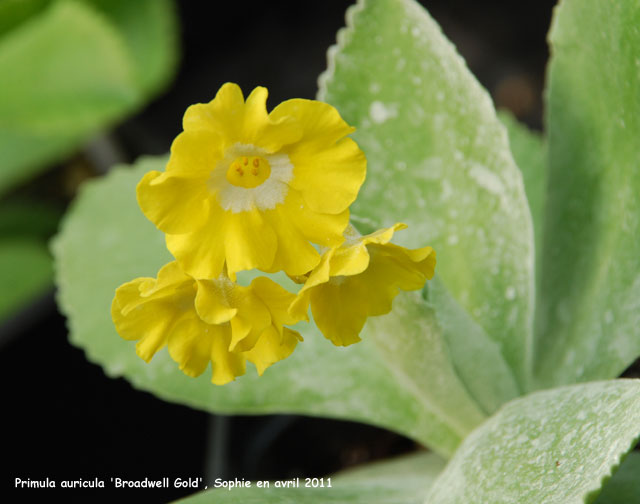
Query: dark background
pixel 64 419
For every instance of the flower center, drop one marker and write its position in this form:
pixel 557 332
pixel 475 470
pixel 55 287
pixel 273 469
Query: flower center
pixel 248 171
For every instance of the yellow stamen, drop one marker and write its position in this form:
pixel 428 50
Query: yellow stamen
pixel 260 172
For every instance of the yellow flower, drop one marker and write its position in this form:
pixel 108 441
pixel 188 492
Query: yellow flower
pixel 253 189
pixel 204 321
pixel 360 279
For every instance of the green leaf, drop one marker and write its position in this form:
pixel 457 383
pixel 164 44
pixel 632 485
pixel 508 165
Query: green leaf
pixel 72 68
pixel 25 265
pixel 588 325
pixel 15 12
pixel 414 349
pixel 81 59
pixel 624 486
pixel 25 272
pixel 439 160
pixel 530 152
pixel 28 218
pixel 491 385
pixel 64 74
pixel 106 241
pixel 554 446
pixel 405 480
pixel 149 29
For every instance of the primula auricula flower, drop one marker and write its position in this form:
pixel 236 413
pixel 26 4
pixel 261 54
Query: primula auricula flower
pixel 205 321
pixel 360 279
pixel 253 189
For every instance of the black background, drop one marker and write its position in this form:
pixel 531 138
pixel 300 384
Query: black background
pixel 62 418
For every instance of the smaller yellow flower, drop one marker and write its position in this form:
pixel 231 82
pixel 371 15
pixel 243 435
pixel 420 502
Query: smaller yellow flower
pixel 204 321
pixel 360 279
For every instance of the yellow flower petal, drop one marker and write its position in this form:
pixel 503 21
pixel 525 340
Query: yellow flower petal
pixel 146 310
pixel 360 279
pixel 330 180
pixel 226 365
pixel 320 275
pixel 253 317
pixel 202 252
pixel 353 257
pixel 174 204
pixel 195 153
pixel 329 169
pixel 260 129
pixel 212 303
pixel 320 122
pixel 228 116
pixel 294 253
pixel 193 344
pixel 278 299
pixel 249 242
pixel 401 267
pixel 190 344
pixel 145 326
pixel 222 115
pixel 272 347
pixel 340 308
pixel 275 342
pixel 324 229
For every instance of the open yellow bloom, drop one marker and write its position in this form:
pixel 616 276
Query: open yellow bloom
pixel 205 321
pixel 360 279
pixel 253 189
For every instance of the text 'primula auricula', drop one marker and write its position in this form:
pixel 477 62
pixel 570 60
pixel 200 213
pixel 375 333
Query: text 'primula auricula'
pixel 243 190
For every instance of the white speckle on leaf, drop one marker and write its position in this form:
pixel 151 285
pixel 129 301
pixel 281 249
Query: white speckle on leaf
pixel 452 240
pixel 510 293
pixel 379 112
pixel 486 179
pixel 374 88
pixel 608 317
pixel 447 190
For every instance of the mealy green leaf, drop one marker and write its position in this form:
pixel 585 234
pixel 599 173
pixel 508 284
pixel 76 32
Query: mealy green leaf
pixel 624 486
pixel 530 152
pixel 414 349
pixel 439 160
pixel 588 325
pixel 490 385
pixel 554 446
pixel 405 480
pixel 25 272
pixel 106 241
